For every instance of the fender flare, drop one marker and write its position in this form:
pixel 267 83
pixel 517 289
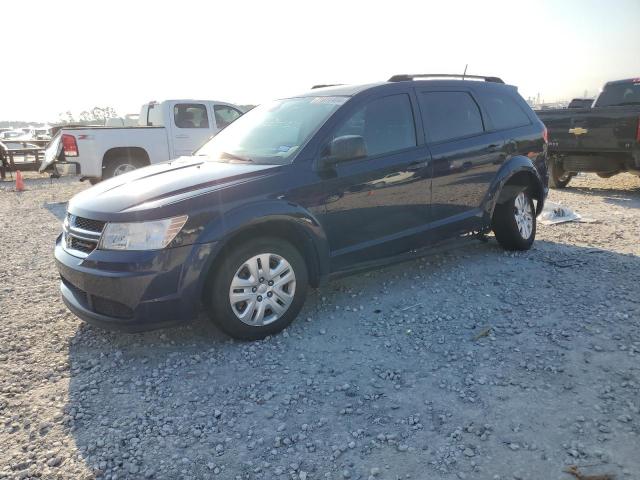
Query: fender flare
pixel 131 150
pixel 515 165
pixel 262 214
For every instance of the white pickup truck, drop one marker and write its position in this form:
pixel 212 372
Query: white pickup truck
pixel 165 131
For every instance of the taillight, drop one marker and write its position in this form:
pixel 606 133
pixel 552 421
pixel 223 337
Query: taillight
pixel 545 135
pixel 69 145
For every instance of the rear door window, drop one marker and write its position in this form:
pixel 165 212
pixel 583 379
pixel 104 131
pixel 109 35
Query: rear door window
pixel 386 124
pixel 450 115
pixel 190 115
pixel 504 111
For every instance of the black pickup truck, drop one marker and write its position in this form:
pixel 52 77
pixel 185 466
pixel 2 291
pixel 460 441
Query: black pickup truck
pixel 603 138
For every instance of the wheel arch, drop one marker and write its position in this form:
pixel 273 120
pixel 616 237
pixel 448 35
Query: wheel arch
pixel 517 174
pixel 137 155
pixel 302 231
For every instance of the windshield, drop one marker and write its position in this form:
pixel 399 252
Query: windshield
pixel 271 133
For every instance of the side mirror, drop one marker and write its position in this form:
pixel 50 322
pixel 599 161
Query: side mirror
pixel 341 149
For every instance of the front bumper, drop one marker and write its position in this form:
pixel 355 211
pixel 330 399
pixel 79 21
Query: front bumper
pixel 134 290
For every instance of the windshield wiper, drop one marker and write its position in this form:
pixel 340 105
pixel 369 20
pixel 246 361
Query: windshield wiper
pixel 231 156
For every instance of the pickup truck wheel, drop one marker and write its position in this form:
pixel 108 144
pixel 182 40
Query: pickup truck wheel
pixel 118 167
pixel 514 222
pixel 558 178
pixel 258 289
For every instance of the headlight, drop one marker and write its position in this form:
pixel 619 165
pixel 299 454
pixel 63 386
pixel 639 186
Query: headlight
pixel 153 235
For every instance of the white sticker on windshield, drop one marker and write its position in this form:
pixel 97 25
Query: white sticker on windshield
pixel 329 100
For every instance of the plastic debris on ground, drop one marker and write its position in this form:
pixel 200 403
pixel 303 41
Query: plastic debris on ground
pixel 553 213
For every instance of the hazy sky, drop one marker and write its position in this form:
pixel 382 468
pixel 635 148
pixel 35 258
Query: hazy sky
pixel 124 53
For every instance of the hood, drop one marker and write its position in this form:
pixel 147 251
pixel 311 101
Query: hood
pixel 162 184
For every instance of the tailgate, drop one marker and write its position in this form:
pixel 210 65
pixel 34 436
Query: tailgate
pixel 610 129
pixel 560 125
pixel 52 153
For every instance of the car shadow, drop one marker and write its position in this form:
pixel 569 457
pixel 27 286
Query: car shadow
pixel 184 398
pixel 58 209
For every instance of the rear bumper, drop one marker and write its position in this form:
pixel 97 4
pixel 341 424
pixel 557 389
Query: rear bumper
pixel 134 291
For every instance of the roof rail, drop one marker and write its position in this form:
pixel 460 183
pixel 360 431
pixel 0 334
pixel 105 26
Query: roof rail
pixel 327 85
pixel 405 77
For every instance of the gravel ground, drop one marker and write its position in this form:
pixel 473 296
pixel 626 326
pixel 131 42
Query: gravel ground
pixel 473 364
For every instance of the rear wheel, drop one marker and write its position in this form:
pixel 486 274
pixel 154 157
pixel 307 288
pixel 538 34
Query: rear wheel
pixel 119 166
pixel 258 289
pixel 558 178
pixel 514 222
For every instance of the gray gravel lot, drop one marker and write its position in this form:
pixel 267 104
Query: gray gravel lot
pixel 384 375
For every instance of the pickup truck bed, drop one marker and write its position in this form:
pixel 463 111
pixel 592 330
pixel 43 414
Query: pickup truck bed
pixel 166 130
pixel 135 145
pixel 604 139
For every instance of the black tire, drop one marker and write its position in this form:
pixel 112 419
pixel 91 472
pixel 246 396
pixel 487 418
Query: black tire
pixel 558 178
pixel 114 165
pixel 94 181
pixel 505 226
pixel 217 294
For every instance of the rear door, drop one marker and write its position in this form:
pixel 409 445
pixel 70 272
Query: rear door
pixel 191 127
pixel 465 158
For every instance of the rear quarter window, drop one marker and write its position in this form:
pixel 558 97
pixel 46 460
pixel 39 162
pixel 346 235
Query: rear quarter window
pixel 504 111
pixel 450 115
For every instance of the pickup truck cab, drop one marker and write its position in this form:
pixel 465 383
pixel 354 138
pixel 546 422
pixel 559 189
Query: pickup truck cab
pixel 603 138
pixel 165 131
pixel 300 189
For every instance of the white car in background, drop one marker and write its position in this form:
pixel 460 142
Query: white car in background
pixel 165 131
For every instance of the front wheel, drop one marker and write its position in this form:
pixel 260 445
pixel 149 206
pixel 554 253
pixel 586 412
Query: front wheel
pixel 514 222
pixel 258 289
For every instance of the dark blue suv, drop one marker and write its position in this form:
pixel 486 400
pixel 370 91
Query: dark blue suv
pixel 333 180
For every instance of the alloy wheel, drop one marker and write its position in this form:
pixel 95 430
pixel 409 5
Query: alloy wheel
pixel 124 168
pixel 523 215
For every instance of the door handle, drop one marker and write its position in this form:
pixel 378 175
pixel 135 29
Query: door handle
pixel 182 136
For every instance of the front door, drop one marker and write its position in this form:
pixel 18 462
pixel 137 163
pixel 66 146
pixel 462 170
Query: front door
pixel 378 206
pixel 191 127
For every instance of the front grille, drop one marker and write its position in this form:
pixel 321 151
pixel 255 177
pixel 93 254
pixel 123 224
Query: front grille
pixel 86 223
pixel 80 245
pixel 81 235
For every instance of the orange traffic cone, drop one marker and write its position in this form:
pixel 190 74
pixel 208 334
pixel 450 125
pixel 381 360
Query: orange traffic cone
pixel 19 181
